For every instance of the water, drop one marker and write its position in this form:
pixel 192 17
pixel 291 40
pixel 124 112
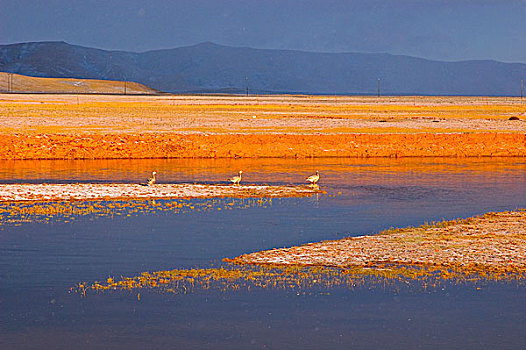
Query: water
pixel 40 261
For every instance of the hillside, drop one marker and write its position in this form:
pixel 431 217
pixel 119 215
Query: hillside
pixel 20 83
pixel 208 67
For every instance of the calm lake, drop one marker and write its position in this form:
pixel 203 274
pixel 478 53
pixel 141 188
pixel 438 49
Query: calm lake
pixel 40 260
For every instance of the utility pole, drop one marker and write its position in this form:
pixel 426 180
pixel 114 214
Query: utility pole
pixel 125 87
pixel 9 82
pixel 522 88
pixel 246 80
pixel 378 87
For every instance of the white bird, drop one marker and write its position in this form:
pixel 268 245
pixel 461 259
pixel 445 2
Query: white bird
pixel 313 178
pixel 151 181
pixel 236 179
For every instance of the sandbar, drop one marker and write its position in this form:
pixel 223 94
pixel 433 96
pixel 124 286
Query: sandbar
pixel 91 191
pixel 491 242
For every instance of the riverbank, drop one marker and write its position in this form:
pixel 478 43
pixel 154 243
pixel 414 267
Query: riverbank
pixel 112 146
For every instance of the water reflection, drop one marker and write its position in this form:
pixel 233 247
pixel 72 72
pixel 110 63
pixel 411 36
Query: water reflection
pixel 271 171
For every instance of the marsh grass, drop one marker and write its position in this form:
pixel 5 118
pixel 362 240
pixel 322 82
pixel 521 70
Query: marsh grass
pixel 293 278
pixel 16 213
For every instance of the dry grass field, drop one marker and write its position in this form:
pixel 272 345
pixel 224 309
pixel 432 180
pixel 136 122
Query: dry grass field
pixel 111 126
pixel 102 114
pixel 21 83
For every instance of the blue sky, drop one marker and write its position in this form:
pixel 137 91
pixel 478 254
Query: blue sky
pixel 444 30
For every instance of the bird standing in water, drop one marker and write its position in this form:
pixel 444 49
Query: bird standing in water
pixel 236 179
pixel 313 178
pixel 151 181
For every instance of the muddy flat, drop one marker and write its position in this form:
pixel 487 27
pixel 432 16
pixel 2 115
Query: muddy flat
pixel 60 192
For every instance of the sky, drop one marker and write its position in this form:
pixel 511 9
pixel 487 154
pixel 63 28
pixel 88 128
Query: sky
pixel 449 30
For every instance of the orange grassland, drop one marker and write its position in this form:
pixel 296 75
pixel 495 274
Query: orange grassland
pixel 166 126
pixel 10 82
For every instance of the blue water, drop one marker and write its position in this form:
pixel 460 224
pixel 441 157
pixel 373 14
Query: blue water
pixel 40 261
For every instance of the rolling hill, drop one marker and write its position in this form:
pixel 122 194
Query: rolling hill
pixel 10 82
pixel 208 67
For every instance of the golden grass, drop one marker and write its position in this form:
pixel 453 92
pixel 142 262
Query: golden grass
pixel 23 83
pixel 65 126
pixel 273 114
pixel 17 213
pixel 299 279
pixel 201 145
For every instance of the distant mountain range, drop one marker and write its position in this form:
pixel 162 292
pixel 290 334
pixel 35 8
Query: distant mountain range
pixel 208 67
